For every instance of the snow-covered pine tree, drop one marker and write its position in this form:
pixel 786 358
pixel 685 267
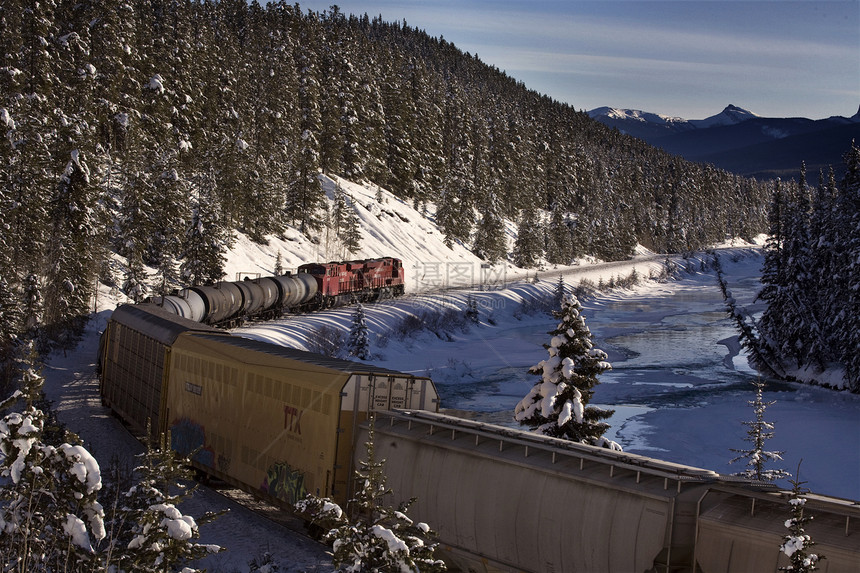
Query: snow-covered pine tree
pixel 809 281
pixel 773 277
pixel 344 223
pixel 528 245
pixel 823 348
pixel 489 241
pixel 371 536
pixel 206 239
pixel 560 291
pixel 269 124
pixel 455 205
pixel 558 239
pixel 135 280
pixel 797 542
pixel 358 344
pixel 339 209
pixel 279 265
pixel 796 293
pixel 847 323
pixel 760 354
pixel 306 199
pixel 472 314
pixel 71 250
pixel 398 126
pixel 557 405
pixel 759 431
pixel 148 533
pixel 352 233
pixel 49 510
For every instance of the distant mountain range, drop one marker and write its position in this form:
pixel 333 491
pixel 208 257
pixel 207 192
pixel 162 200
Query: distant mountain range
pixel 742 142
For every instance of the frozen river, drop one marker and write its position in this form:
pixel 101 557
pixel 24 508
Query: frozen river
pixel 686 391
pixel 679 388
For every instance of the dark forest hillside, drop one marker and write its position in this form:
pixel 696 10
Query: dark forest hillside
pixel 154 129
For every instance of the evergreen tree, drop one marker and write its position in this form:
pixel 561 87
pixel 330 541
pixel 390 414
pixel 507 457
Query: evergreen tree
pixel 48 506
pixel 560 292
pixel 10 325
pixel 489 242
pixel 527 247
pixel 798 323
pixel 797 542
pixel 351 236
pixel 759 431
pixel 305 198
pixel 27 112
pixel 206 242
pixel 379 537
pixel 472 314
pixel 279 265
pixel 135 283
pixel 339 209
pixel 70 277
pixel 358 343
pixel 399 128
pixel 558 239
pixel 847 321
pixel 809 281
pixel 773 277
pixel 149 532
pixel 557 405
pixel 823 347
pixel 344 223
pixel 761 355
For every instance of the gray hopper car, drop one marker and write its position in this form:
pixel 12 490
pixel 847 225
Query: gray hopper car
pixel 504 500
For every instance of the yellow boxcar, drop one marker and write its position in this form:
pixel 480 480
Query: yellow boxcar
pixel 276 421
pixel 133 354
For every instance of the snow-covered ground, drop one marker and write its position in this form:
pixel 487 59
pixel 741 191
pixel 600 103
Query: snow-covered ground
pixel 678 386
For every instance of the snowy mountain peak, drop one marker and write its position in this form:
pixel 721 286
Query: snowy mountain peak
pixel 634 115
pixel 731 115
pixel 856 116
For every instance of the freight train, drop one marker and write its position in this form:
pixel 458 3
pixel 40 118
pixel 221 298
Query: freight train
pixel 281 423
pixel 314 286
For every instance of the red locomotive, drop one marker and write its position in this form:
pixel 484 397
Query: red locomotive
pixel 370 279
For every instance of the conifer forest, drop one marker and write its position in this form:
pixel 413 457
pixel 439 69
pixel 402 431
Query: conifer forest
pixel 811 277
pixel 157 129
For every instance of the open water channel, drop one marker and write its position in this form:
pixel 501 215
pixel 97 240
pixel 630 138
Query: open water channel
pixel 681 390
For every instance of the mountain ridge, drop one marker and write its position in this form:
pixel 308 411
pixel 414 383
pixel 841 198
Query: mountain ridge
pixel 741 141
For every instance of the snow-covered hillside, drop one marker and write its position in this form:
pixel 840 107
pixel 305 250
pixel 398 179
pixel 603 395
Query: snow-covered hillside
pixel 391 227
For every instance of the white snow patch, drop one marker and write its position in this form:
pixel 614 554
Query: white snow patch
pixel 156 83
pixel 74 527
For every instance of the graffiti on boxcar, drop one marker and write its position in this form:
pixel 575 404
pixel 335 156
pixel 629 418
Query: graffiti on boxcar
pixel 283 482
pixel 188 437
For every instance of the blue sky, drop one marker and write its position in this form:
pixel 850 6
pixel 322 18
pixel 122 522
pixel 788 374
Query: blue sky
pixel 682 58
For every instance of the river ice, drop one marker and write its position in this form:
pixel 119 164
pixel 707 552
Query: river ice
pixel 679 385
